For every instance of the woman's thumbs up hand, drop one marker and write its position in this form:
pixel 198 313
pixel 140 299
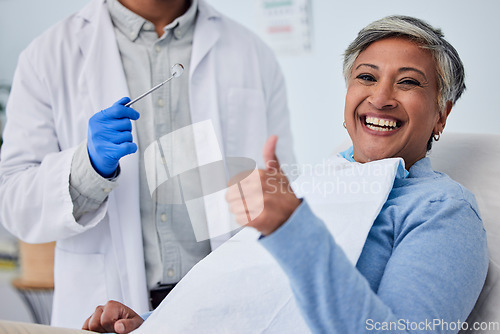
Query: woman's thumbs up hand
pixel 273 191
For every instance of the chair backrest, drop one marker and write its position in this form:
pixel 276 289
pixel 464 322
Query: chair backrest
pixel 473 161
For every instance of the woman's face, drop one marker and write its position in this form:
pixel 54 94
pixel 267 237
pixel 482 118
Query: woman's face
pixel 391 106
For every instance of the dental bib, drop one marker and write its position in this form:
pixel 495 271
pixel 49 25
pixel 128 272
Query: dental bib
pixel 240 288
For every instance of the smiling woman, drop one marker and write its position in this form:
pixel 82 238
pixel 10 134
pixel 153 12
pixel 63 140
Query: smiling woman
pixel 402 79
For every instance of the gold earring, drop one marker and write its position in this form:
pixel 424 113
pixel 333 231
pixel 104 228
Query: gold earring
pixel 436 136
pixel 345 126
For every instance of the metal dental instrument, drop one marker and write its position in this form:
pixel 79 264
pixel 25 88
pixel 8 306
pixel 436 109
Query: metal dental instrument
pixel 175 71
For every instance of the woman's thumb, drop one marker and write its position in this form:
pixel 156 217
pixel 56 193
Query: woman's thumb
pixel 269 153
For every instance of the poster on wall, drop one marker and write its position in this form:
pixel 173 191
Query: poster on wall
pixel 286 25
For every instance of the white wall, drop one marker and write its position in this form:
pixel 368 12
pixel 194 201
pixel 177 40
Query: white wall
pixel 23 20
pixel 315 85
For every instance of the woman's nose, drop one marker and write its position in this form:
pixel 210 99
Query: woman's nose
pixel 382 96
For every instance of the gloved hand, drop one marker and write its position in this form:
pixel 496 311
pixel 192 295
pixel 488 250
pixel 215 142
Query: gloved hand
pixel 110 137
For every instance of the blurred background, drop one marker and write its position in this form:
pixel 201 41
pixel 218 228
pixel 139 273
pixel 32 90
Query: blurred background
pixel 309 37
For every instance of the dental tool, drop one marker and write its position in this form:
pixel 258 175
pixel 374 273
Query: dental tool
pixel 175 71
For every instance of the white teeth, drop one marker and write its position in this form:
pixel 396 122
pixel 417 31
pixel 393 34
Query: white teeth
pixel 380 122
pixel 377 128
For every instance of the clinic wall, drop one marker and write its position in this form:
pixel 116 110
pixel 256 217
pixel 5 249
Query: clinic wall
pixel 315 85
pixel 23 20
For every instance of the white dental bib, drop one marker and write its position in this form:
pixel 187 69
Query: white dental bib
pixel 240 288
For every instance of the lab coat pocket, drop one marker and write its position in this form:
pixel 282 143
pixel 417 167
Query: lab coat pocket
pixel 246 123
pixel 79 279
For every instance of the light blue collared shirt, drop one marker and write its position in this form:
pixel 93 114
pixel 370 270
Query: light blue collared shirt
pixel 170 247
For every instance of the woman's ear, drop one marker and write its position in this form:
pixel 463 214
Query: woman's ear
pixel 441 123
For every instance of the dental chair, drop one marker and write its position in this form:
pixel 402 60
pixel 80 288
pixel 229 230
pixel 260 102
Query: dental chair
pixel 473 160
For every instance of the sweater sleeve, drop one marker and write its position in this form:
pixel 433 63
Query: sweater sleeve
pixel 430 283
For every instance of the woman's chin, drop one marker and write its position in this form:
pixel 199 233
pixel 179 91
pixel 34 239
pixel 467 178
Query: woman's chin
pixel 372 154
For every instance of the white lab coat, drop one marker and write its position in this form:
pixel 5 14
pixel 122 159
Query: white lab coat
pixel 62 79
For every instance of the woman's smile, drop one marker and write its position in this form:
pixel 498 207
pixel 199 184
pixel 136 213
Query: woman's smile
pixel 380 126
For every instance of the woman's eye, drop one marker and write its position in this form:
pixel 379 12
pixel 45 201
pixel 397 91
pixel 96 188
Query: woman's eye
pixel 366 77
pixel 410 82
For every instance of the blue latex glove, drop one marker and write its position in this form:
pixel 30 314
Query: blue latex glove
pixel 110 137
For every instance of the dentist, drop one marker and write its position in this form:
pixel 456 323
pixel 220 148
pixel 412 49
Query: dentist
pixel 68 170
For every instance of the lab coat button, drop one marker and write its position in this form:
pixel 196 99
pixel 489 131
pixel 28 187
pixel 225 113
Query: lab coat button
pixel 107 190
pixel 161 102
pixel 170 273
pixel 178 33
pixel 163 217
pixel 148 26
pixel 158 48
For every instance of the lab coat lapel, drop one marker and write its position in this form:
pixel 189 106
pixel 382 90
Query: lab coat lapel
pixel 102 65
pixel 106 83
pixel 204 101
pixel 203 94
pixel 206 34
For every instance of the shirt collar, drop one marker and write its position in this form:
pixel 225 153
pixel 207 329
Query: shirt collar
pixel 131 24
pixel 422 168
pixel 182 24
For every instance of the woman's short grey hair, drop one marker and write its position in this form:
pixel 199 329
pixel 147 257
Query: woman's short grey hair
pixel 450 69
